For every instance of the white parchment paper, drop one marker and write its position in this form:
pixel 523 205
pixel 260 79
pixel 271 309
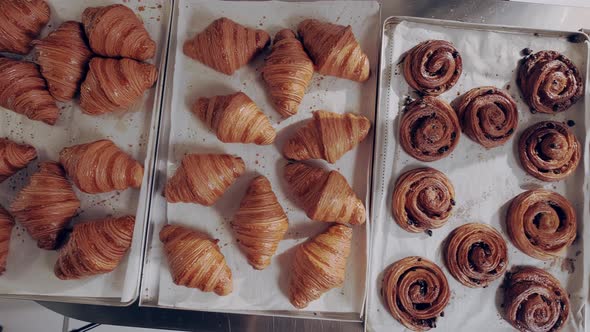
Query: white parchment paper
pixel 258 291
pixel 485 181
pixel 30 269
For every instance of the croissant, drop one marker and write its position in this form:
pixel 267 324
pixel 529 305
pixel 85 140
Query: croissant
pixel 287 72
pixel 260 223
pixel 20 22
pixel 334 50
pixel 14 157
pixel 115 31
pixel 23 90
pixel 534 300
pixel 416 292
pixel 327 136
pixel 195 260
pixel 319 265
pixel 203 178
pixel 95 247
pixel 226 45
pixel 6 224
pixel 115 84
pixel 325 195
pixel 46 204
pixel 100 167
pixel 63 57
pixel 235 119
pixel 550 82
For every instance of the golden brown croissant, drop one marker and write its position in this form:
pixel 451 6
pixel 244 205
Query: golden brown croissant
pixel 115 84
pixel 260 223
pixel 46 204
pixel 423 199
pixel 549 82
pixel 327 136
pixel 95 247
pixel 6 224
pixel 115 31
pixel 23 90
pixel 20 23
pixel 14 157
pixel 287 72
pixel 334 50
pixel 534 300
pixel 195 260
pixel 541 223
pixel 324 195
pixel 476 254
pixel 63 57
pixel 226 45
pixel 549 151
pixel 416 292
pixel 319 265
pixel 235 119
pixel 100 167
pixel 203 178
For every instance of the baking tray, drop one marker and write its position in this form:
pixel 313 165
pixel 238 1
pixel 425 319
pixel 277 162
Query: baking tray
pixel 133 131
pixel 181 133
pixel 477 196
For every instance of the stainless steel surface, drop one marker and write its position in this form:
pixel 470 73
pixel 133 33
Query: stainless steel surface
pixel 476 11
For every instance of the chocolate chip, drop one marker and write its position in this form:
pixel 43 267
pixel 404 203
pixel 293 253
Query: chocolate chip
pixel 508 87
pixel 510 131
pixel 443 149
pixel 557 171
pixel 553 145
pixel 490 92
pixel 453 135
pixel 429 232
pixel 550 125
pixel 442 313
pixel 455 54
pixel 456 72
pixel 526 51
pixel 453 203
pixel 571 123
pixel 533 110
pixel 419 259
pixel 555 107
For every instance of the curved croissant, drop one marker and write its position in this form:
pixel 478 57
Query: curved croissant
pixel 325 195
pixel 534 300
pixel 327 136
pixel 63 57
pixel 334 50
pixel 100 167
pixel 260 223
pixel 20 22
pixel 287 71
pixel 115 84
pixel 6 224
pixel 14 157
pixel 115 31
pixel 195 260
pixel 226 45
pixel 203 178
pixel 46 204
pixel 95 247
pixel 23 90
pixel 319 265
pixel 235 119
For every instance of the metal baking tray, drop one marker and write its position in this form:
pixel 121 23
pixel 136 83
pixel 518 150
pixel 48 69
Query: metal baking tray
pixel 202 81
pixel 390 242
pixel 134 131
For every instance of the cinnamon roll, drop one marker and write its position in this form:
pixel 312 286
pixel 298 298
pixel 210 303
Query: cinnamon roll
pixel 549 82
pixel 549 151
pixel 422 199
pixel 429 129
pixel 432 67
pixel 488 115
pixel 416 292
pixel 476 255
pixel 541 223
pixel 535 301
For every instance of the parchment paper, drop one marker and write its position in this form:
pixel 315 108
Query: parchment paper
pixel 30 269
pixel 485 180
pixel 257 291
